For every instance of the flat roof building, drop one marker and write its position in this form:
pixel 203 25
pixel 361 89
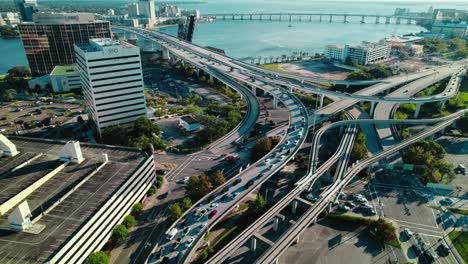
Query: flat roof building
pixel 112 81
pixel 60 201
pixel 362 54
pixel 49 40
pixel 189 123
pixel 65 78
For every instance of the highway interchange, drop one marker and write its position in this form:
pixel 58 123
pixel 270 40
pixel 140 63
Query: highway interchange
pixel 238 76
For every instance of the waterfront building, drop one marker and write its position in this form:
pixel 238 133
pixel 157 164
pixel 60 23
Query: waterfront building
pixel 11 18
pixel 335 52
pixel 65 78
pixel 112 81
pixel 49 40
pixel 147 9
pixel 62 200
pixel 133 10
pixel 362 54
pixel 26 9
pixel 451 30
pixel 449 15
pixel 366 53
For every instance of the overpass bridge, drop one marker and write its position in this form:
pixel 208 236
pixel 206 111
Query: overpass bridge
pixel 321 17
pixel 232 73
pixel 277 247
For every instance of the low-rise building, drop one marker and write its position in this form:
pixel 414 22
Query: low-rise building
pixel 451 30
pixel 366 53
pixel 335 52
pixel 189 123
pixel 65 78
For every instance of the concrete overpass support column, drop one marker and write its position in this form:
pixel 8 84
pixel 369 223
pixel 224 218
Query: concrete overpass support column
pixel 254 90
pixel 224 17
pixel 290 18
pixel 275 224
pixel 345 18
pixel 363 19
pixel 165 53
pixel 291 90
pixel 441 105
pixel 211 78
pixel 261 18
pixel 331 18
pixel 418 108
pixel 321 100
pixel 233 18
pixel 296 240
pixel 182 63
pixel 372 109
pixel 270 17
pixel 294 206
pixel 310 18
pixel 197 71
pixel 387 20
pixel 253 244
pixel 377 20
pixel 242 17
pixel 347 85
pixel 280 18
pixel 250 17
pixel 275 102
pixel 320 18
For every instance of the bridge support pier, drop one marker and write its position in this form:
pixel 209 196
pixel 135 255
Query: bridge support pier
pixel 387 20
pixel 377 20
pixel 418 108
pixel 300 18
pixel 320 18
pixel 331 18
pixel 371 113
pixel 233 18
pixel 345 19
pixel 290 18
pixel 280 17
pixel 250 17
pixel 398 21
pixel 275 102
pixel 310 18
pixel 275 223
pixel 224 17
pixel 441 105
pixel 294 206
pixel 165 53
pixel 211 78
pixel 291 90
pixel 363 20
pixel 408 21
pixel 253 244
pixel 321 100
pixel 261 18
pixel 242 17
pixel 270 17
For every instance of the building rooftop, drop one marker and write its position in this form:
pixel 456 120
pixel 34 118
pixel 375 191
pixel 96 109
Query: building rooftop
pixel 335 46
pixel 99 44
pixel 64 69
pixel 63 18
pixel 189 120
pixel 404 39
pixel 63 214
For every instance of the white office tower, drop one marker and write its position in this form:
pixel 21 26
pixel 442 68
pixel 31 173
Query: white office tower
pixel 148 10
pixel 112 81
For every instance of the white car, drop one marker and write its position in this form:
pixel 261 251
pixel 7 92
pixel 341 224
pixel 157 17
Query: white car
pixel 267 161
pixel 367 206
pixel 212 206
pixel 282 157
pixel 189 242
pixel 184 180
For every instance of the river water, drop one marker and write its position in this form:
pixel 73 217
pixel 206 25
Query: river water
pixel 242 39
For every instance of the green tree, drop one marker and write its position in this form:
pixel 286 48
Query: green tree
pixel 193 109
pixel 129 221
pixel 175 212
pixel 260 149
pixel 217 179
pixel 186 203
pixel 8 95
pixel 359 150
pixel 119 234
pixel 19 71
pixel 144 126
pixel 198 186
pixel 152 190
pixel 159 112
pixel 257 206
pixel 137 209
pixel 98 257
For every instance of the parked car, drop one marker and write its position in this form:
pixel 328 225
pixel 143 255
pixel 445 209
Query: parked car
pixel 185 231
pixel 212 206
pixel 343 207
pixel 237 181
pixel 447 201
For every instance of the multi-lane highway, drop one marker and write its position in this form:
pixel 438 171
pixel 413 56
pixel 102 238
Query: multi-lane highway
pixel 208 211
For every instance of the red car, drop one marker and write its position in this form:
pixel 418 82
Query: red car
pixel 231 158
pixel 212 214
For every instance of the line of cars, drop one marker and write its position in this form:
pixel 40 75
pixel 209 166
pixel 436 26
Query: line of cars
pixel 423 249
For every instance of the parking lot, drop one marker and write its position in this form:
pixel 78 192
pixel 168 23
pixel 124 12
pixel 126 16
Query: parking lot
pixel 35 116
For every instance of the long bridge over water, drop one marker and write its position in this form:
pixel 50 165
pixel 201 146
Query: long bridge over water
pixel 321 17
